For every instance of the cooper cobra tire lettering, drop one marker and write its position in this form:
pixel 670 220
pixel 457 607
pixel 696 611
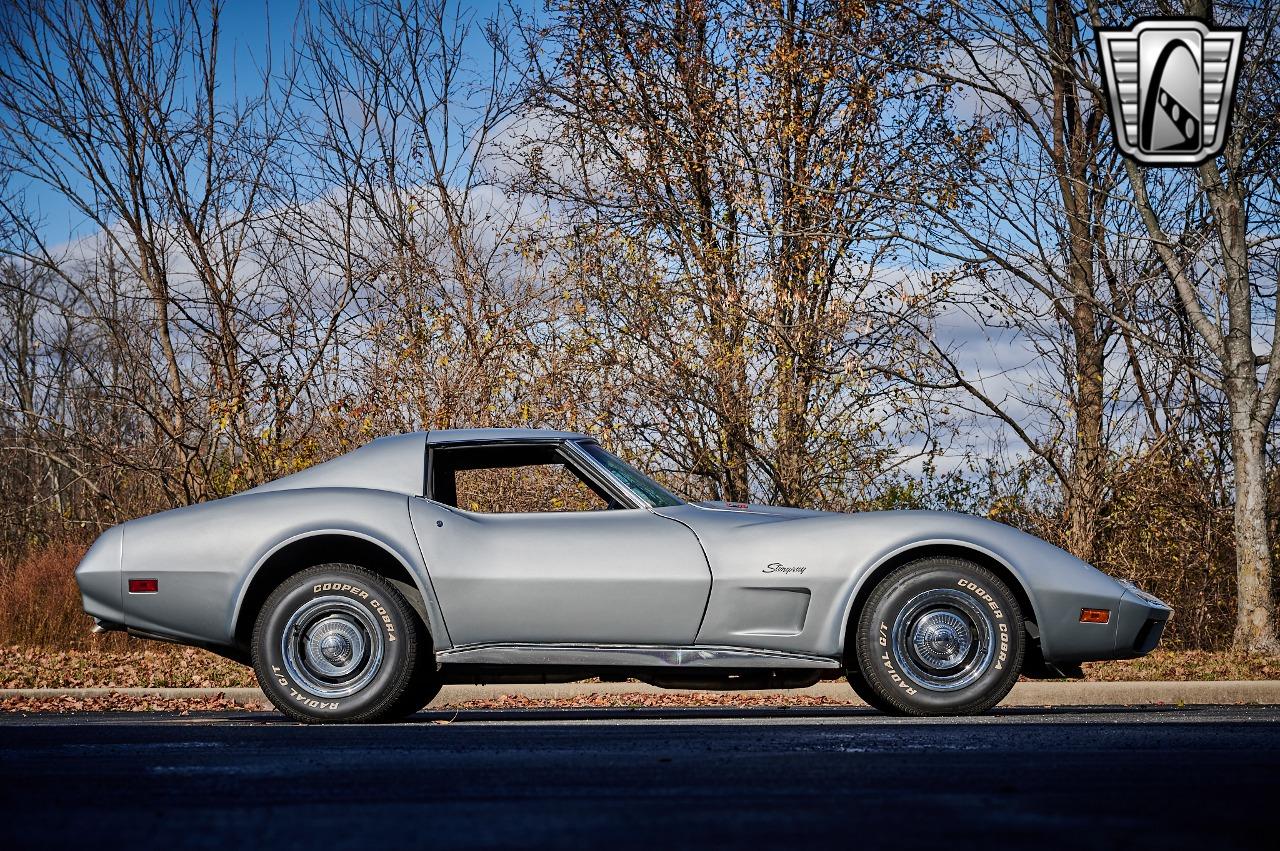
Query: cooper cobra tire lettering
pixel 336 586
pixel 982 595
pixel 386 619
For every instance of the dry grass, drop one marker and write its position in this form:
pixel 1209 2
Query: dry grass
pixel 40 602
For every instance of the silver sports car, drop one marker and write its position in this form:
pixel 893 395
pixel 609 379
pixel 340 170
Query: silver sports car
pixel 358 587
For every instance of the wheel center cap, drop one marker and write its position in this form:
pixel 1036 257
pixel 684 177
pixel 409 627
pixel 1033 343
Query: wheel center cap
pixel 941 639
pixel 336 648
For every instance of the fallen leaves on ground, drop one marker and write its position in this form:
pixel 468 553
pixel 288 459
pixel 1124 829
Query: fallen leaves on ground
pixel 171 666
pixel 117 702
pixel 147 666
pixel 641 700
pixel 1183 665
pixel 126 703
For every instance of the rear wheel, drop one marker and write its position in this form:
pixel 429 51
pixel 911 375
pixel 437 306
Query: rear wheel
pixel 338 643
pixel 939 636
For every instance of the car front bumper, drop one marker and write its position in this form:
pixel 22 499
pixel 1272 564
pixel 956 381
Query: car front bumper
pixel 1133 628
pixel 1140 622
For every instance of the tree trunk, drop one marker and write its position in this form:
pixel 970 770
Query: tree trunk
pixel 1253 407
pixel 1075 138
pixel 1086 487
pixel 735 424
pixel 1255 619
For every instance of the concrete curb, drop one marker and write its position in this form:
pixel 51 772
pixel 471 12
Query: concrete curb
pixel 1023 694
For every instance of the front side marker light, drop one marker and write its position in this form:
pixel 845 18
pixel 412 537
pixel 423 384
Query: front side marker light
pixel 1095 615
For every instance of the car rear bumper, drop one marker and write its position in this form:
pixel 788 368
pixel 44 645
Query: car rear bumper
pixel 98 576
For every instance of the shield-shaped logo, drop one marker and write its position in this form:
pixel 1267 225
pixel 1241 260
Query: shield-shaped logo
pixel 1170 82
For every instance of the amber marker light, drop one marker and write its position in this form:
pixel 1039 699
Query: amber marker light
pixel 144 586
pixel 1095 615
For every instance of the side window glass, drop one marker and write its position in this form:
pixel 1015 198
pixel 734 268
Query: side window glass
pixel 506 490
pixel 500 479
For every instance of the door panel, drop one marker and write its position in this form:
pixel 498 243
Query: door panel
pixel 603 577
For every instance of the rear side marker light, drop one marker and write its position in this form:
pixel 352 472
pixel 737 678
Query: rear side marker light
pixel 144 586
pixel 1095 615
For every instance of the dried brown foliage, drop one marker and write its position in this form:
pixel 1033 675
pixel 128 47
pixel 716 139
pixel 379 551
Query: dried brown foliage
pixel 127 703
pixel 507 490
pixel 1164 530
pixel 643 700
pixel 40 603
pixel 1176 666
pixel 135 664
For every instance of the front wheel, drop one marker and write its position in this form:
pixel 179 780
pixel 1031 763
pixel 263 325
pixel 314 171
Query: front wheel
pixel 939 636
pixel 339 643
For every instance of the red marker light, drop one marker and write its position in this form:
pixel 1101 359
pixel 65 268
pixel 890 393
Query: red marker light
pixel 1095 615
pixel 144 586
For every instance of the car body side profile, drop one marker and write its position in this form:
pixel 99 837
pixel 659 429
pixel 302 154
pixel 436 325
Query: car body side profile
pixel 358 587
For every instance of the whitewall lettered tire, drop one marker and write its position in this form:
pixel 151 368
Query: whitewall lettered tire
pixel 340 643
pixel 938 636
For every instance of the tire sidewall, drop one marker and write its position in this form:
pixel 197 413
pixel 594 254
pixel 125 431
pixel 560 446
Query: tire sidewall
pixel 879 659
pixel 386 607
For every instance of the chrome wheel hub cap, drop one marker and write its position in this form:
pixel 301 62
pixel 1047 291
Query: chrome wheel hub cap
pixel 943 640
pixel 332 647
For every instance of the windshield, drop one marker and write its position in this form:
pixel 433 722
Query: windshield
pixel 645 488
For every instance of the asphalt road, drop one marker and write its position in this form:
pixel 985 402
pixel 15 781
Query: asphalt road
pixel 1141 778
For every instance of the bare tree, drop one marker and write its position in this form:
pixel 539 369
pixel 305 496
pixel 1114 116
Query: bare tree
pixel 1227 284
pixel 1028 240
pixel 120 107
pixel 710 166
pixel 405 119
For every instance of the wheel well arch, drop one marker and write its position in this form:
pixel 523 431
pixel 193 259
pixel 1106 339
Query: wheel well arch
pixel 322 548
pixel 943 550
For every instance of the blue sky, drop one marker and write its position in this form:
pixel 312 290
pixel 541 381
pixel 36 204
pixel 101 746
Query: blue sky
pixel 254 33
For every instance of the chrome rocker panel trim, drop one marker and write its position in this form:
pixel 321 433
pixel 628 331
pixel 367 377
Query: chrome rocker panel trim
pixel 635 657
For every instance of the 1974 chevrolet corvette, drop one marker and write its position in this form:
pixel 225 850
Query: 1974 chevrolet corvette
pixel 356 588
